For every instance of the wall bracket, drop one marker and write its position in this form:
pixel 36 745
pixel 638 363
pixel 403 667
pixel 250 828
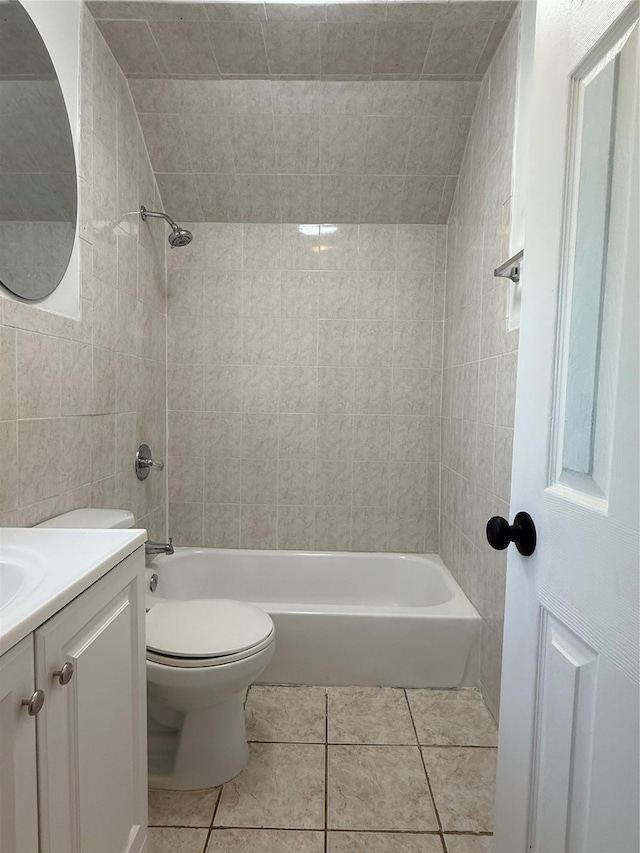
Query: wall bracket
pixel 511 268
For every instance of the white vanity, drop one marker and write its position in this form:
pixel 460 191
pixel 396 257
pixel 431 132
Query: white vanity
pixel 73 774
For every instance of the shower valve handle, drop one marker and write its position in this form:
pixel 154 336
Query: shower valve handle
pixel 150 463
pixel 145 462
pixel 522 532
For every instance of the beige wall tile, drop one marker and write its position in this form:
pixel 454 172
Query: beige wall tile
pixel 336 343
pixel 38 375
pixel 133 46
pixel 8 373
pixel 292 47
pixel 296 527
pixel 9 491
pixel 296 436
pixel 401 47
pixel 239 47
pixel 347 48
pixel 221 525
pixel 185 47
pixel 333 483
pixel 373 390
pixel 259 436
pixel 332 528
pixel 457 48
pixel 258 526
pixel 480 355
pixel 296 481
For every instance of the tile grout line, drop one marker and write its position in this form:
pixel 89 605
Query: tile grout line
pixel 326 766
pixel 213 817
pixel 424 765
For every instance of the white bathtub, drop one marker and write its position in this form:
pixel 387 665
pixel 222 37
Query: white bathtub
pixel 341 618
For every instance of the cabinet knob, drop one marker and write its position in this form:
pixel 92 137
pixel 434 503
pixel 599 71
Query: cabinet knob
pixel 35 703
pixel 65 673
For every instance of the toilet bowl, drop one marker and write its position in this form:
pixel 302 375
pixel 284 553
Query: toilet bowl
pixel 202 656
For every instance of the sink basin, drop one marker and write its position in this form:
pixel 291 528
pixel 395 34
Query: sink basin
pixel 20 573
pixel 11 577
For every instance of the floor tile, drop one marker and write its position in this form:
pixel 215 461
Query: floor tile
pixel 295 714
pixel 265 841
pixel 282 786
pixel 457 717
pixel 469 843
pixel 463 785
pixel 382 842
pixel 369 715
pixel 378 788
pixel 166 840
pixel 182 808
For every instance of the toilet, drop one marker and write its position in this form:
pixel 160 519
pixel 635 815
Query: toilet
pixel 202 656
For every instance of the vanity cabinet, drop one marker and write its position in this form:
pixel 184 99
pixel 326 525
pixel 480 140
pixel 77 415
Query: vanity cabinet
pixel 18 781
pixel 90 735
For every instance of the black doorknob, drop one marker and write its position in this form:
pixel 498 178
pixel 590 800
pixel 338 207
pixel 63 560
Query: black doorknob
pixel 522 532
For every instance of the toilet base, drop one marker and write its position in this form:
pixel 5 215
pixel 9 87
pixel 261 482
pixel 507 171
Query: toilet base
pixel 210 747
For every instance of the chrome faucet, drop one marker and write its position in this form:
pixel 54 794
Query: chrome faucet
pixel 153 548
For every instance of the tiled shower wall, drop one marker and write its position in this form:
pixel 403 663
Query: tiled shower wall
pixel 304 383
pixel 306 150
pixel 480 358
pixel 78 396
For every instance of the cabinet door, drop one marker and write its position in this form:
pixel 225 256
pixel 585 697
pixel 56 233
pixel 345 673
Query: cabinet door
pixel 92 774
pixel 18 789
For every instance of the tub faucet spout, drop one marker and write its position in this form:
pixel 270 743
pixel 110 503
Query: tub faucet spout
pixel 153 548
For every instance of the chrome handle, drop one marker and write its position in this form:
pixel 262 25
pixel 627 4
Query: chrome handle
pixel 151 463
pixel 145 462
pixel 65 673
pixel 35 703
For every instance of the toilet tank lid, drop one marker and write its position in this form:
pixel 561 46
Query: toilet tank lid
pixel 96 519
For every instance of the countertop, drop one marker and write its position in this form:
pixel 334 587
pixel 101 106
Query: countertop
pixel 63 564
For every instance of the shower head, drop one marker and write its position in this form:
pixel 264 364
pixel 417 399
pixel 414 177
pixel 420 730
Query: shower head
pixel 178 237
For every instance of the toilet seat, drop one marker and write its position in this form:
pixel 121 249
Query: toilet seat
pixel 206 632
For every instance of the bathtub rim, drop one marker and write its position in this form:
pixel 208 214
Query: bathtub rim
pixel 458 606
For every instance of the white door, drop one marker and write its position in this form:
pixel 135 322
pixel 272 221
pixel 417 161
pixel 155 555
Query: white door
pixel 18 790
pixel 568 753
pixel 92 731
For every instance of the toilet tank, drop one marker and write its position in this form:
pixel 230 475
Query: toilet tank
pixel 96 519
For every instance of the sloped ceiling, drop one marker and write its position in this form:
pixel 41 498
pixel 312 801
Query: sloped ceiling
pixel 338 112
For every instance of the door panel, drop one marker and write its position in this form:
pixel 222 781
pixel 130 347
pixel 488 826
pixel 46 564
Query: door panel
pixel 566 693
pixel 570 717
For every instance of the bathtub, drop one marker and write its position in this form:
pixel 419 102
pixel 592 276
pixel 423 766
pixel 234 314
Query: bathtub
pixel 391 620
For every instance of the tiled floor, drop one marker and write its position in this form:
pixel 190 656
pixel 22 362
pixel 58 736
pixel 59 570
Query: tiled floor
pixel 346 770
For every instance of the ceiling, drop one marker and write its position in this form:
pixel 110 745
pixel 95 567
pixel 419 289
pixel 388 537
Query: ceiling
pixel 375 41
pixel 337 112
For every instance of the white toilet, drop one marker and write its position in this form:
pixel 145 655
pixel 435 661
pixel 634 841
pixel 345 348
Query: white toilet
pixel 201 657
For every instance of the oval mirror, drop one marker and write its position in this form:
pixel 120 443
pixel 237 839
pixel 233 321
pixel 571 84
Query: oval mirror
pixel 38 193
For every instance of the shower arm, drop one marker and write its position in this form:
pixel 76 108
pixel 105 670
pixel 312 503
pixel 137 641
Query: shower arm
pixel 144 213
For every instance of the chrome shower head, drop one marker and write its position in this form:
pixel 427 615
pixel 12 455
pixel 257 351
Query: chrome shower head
pixel 178 237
